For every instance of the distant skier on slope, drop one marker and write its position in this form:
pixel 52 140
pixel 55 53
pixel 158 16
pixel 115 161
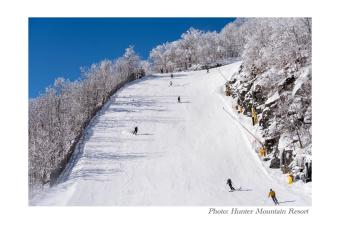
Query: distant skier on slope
pixel 135 131
pixel 170 84
pixel 273 196
pixel 207 70
pixel 179 99
pixel 230 184
pixel 172 76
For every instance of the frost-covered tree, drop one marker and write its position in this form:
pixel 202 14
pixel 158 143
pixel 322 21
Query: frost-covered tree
pixel 157 58
pixel 132 59
pixel 232 38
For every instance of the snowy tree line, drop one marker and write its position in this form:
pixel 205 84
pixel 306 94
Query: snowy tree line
pixel 58 117
pixel 196 47
pixel 261 42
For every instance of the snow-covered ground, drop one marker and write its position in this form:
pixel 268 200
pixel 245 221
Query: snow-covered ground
pixel 182 155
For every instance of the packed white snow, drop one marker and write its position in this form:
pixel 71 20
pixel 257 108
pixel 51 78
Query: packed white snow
pixel 182 155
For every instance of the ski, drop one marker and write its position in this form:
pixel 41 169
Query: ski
pixel 237 189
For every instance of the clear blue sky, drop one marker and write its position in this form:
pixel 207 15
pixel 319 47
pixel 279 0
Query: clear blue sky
pixel 60 46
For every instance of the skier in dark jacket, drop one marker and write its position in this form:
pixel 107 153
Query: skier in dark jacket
pixel 230 184
pixel 179 99
pixel 135 131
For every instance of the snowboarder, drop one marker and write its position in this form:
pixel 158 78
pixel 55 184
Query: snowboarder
pixel 135 131
pixel 170 83
pixel 230 184
pixel 179 99
pixel 273 196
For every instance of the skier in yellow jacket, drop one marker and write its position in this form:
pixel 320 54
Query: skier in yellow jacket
pixel 273 196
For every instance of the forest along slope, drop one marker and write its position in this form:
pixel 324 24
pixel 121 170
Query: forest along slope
pixel 182 154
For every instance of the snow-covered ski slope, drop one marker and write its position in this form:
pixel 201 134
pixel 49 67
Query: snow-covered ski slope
pixel 182 155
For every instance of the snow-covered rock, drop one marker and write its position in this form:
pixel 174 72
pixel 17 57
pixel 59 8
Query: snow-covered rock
pixel 286 114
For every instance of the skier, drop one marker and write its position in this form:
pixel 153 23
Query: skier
pixel 273 196
pixel 135 131
pixel 207 70
pixel 172 76
pixel 179 99
pixel 170 83
pixel 230 184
